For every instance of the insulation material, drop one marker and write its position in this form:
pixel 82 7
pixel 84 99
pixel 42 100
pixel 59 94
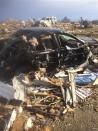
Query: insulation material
pixel 19 88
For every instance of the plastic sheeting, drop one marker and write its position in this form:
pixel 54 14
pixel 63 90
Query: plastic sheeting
pixel 81 79
pixel 84 79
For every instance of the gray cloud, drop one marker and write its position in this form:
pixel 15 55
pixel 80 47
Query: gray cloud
pixel 23 9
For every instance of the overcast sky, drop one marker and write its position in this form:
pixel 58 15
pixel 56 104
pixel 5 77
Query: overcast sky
pixel 24 9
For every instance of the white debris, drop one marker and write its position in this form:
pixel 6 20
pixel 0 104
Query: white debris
pixel 68 96
pixel 20 110
pixel 60 74
pixel 11 120
pixel 6 91
pixel 83 93
pixel 72 74
pixel 19 87
pixel 17 91
pixel 28 124
pixel 96 82
pixel 95 60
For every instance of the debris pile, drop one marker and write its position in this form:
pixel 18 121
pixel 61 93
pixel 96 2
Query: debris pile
pixel 46 98
pixel 40 96
pixel 7 117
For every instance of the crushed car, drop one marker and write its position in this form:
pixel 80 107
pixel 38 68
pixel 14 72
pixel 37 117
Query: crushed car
pixel 92 42
pixel 31 48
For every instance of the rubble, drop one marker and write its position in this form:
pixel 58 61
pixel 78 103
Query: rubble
pixel 51 99
pixel 7 117
pixel 45 97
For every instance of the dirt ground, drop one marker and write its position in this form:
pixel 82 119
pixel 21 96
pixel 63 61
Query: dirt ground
pixel 83 118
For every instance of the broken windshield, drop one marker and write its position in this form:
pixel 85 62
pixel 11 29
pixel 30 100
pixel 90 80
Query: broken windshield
pixel 67 40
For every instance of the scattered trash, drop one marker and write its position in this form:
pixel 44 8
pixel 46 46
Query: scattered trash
pixel 83 93
pixel 19 88
pixel 20 110
pixel 86 78
pixel 11 120
pixel 28 124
